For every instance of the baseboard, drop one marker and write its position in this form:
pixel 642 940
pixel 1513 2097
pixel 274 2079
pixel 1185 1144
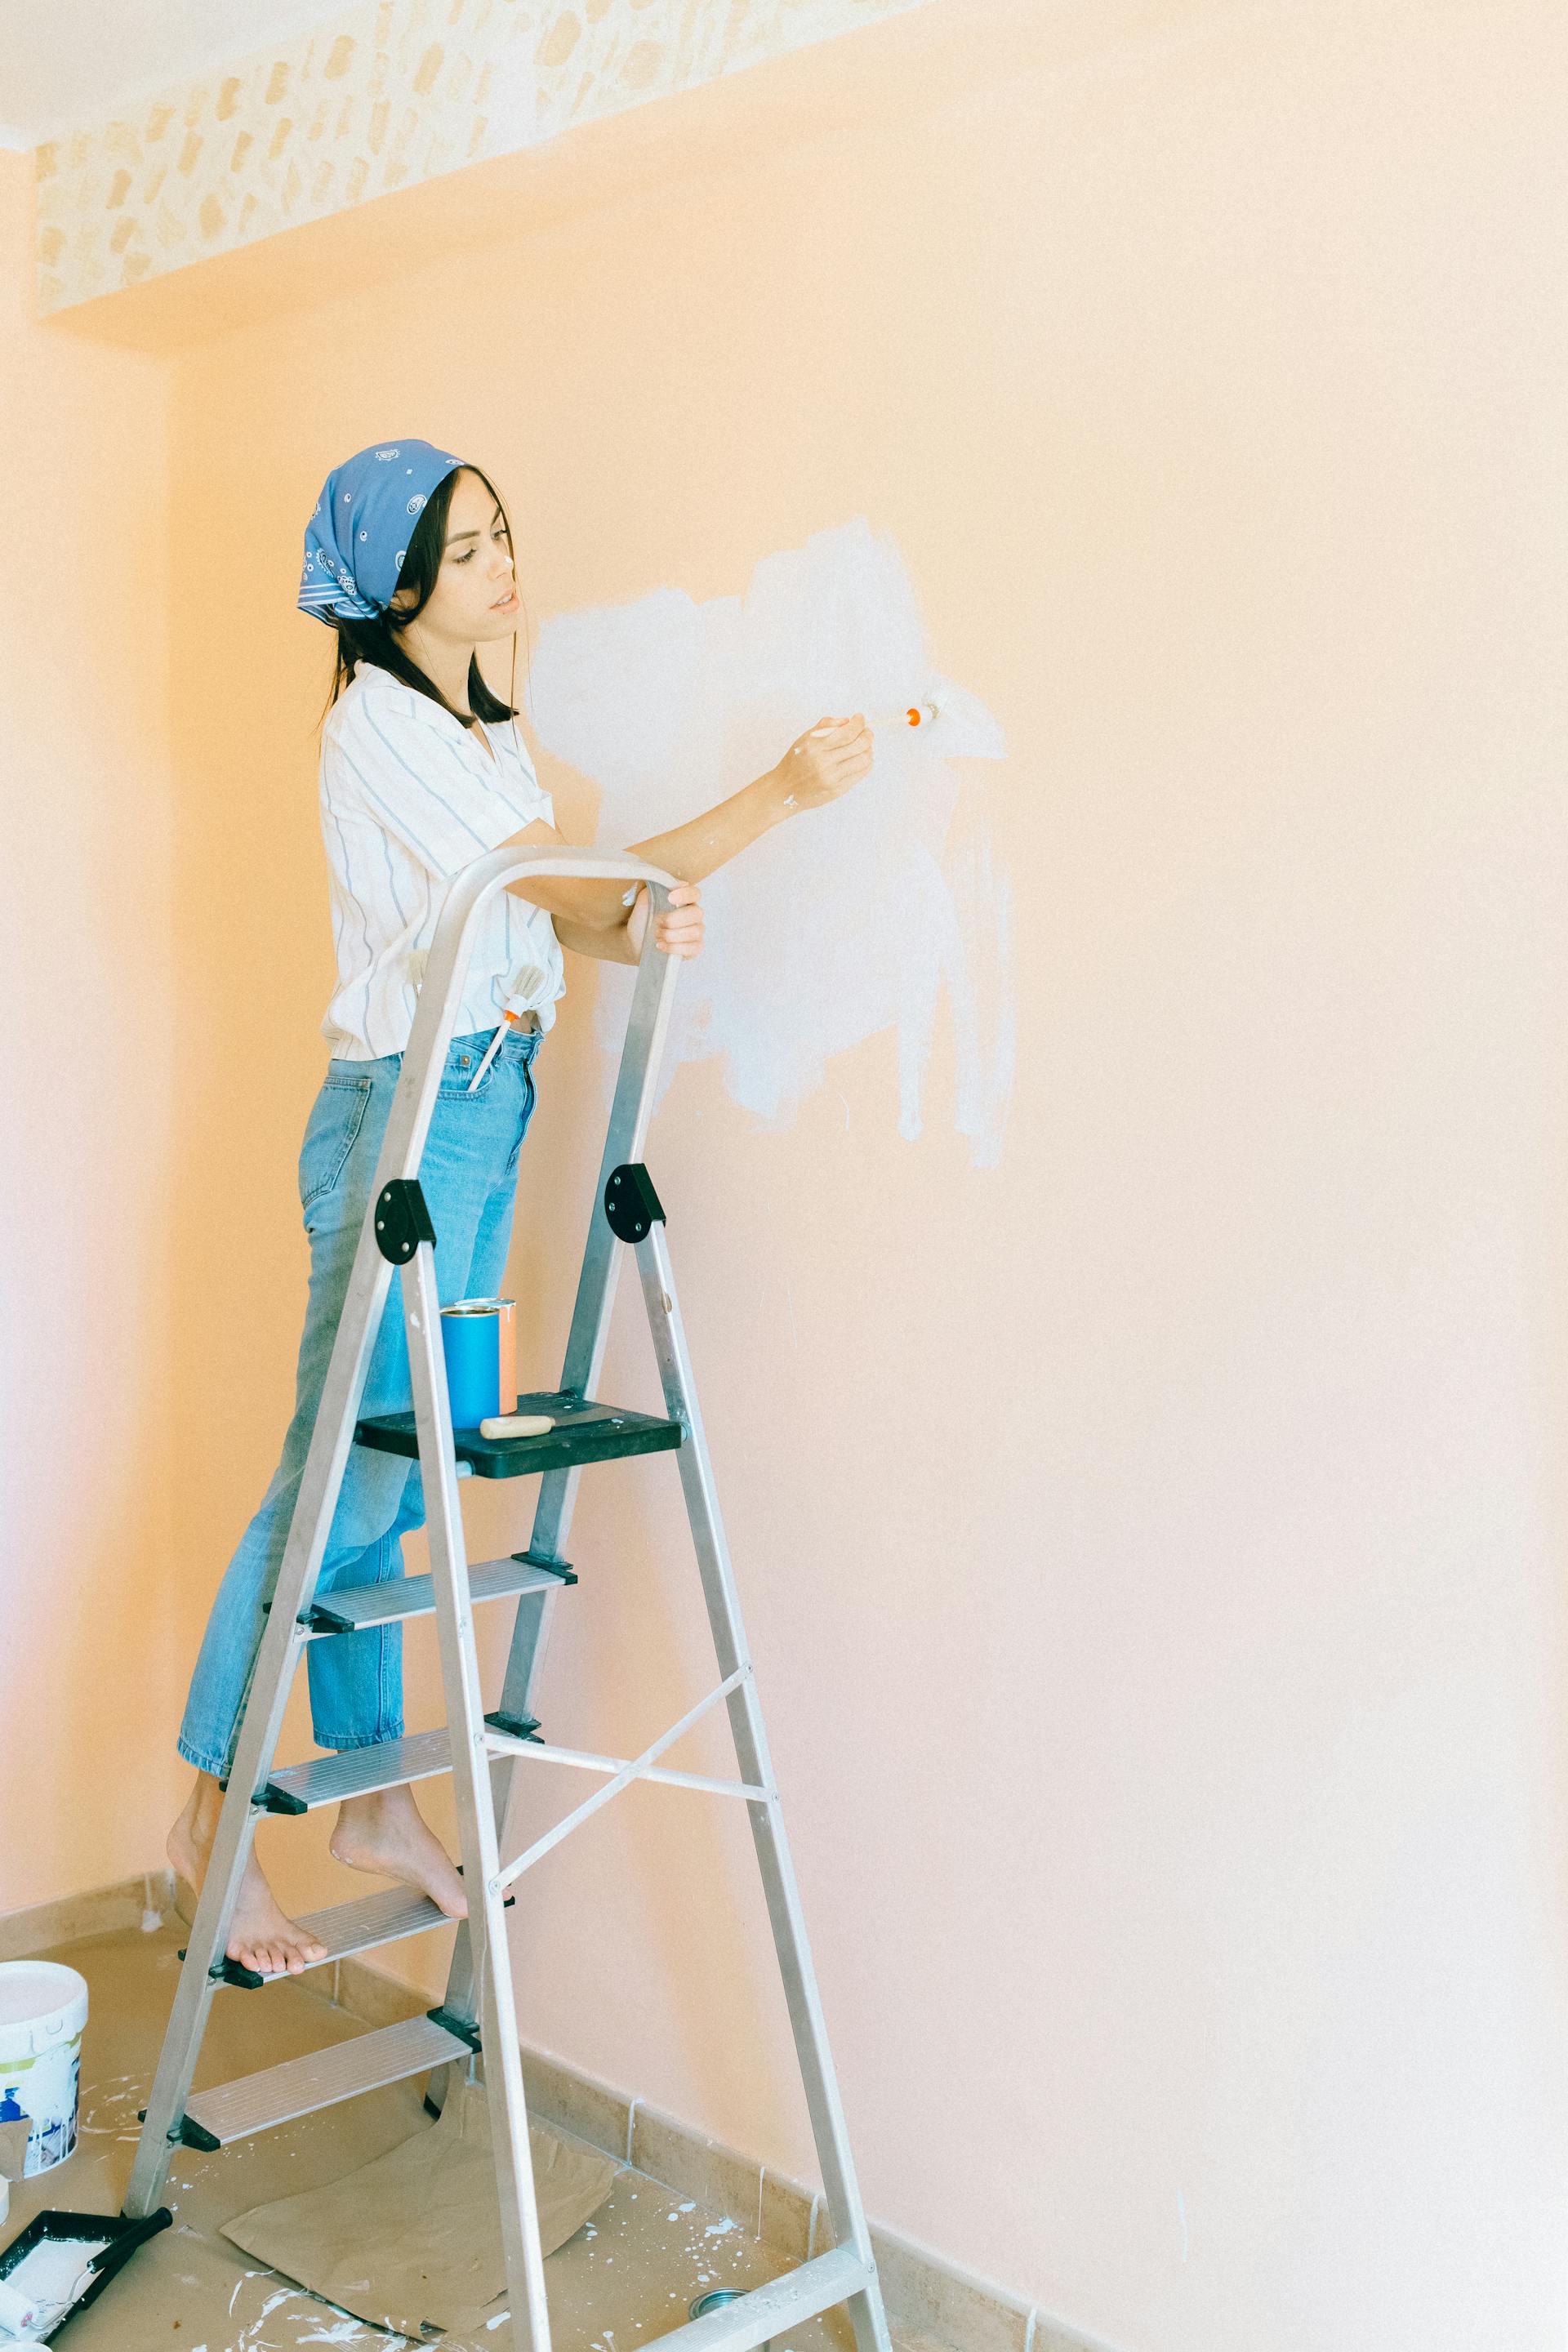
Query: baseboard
pixel 930 2301
pixel 141 1902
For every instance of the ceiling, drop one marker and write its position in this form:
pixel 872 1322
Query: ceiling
pixel 65 62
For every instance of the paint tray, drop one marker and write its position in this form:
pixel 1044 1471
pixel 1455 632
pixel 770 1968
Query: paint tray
pixel 104 2244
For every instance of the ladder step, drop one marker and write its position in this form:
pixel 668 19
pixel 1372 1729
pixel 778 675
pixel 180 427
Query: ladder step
pixel 585 1432
pixel 778 2303
pixel 357 1605
pixel 254 2102
pixel 374 1919
pixel 355 1771
pixel 346 1927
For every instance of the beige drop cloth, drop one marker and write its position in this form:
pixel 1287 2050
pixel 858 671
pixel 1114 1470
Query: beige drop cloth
pixel 412 2241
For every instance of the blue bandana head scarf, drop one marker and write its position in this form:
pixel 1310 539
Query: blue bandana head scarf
pixel 356 540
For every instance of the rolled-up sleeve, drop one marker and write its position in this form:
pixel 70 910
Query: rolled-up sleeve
pixel 403 757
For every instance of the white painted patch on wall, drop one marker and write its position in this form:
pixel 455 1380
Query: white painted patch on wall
pixel 844 922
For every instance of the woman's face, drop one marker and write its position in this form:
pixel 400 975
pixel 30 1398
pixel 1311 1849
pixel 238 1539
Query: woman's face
pixel 473 599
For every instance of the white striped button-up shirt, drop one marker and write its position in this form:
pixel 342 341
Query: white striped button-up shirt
pixel 408 799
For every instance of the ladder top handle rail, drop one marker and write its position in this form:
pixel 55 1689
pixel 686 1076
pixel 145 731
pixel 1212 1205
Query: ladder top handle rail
pixel 446 969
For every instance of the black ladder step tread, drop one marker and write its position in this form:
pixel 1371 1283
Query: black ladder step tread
pixel 346 1608
pixel 356 1772
pixel 585 1432
pixel 278 2095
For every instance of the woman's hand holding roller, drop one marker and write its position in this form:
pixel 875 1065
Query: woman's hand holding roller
pixel 822 764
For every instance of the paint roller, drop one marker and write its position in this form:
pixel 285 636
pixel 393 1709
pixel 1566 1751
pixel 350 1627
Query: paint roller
pixel 23 2309
pixel 20 2313
pixel 906 714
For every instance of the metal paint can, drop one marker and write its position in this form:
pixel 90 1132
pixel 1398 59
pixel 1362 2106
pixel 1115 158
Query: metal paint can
pixel 717 2301
pixel 470 1341
pixel 504 1310
pixel 478 1338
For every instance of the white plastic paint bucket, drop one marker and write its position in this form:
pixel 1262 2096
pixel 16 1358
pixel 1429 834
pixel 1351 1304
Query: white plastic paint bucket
pixel 43 2014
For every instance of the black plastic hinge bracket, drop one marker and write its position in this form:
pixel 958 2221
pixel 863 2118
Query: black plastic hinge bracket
pixel 631 1204
pixel 318 1618
pixel 230 1973
pixel 274 1800
pixel 185 2134
pixel 402 1220
pixel 234 1972
pixel 456 2025
pixel 516 1727
pixel 561 1567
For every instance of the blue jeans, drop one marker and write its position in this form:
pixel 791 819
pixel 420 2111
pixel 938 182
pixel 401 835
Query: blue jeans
pixel 468 1174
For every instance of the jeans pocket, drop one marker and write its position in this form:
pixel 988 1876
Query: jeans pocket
pixel 336 1117
pixel 457 1075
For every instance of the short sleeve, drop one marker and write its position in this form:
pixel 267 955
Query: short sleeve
pixel 403 756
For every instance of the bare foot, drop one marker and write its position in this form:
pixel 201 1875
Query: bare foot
pixel 388 1835
pixel 260 1935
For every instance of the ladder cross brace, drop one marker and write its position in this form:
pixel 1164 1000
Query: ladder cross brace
pixel 638 1768
pixel 506 1744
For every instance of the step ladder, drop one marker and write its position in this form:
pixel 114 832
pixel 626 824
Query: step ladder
pixel 480 1751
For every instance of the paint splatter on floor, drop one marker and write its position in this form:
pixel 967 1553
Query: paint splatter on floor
pixel 629 2275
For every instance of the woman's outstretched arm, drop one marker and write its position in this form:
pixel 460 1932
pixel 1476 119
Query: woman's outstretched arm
pixel 819 766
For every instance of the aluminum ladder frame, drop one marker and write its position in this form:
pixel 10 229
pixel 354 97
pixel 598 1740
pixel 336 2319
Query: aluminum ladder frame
pixel 483 1755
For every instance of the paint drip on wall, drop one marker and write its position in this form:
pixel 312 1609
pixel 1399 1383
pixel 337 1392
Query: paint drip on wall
pixel 844 922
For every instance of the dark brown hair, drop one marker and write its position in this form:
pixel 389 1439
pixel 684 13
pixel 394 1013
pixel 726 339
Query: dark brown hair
pixel 379 641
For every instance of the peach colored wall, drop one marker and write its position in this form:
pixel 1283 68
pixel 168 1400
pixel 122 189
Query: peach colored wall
pixel 88 1648
pixel 1150 1545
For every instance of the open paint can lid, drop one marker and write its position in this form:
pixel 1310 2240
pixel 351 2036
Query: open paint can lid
pixel 42 2002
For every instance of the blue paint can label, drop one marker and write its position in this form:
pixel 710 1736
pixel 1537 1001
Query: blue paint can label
pixel 470 1340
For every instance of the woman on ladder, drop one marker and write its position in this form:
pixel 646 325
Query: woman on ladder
pixel 408 558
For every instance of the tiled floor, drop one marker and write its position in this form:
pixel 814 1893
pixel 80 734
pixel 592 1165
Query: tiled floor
pixel 191 2290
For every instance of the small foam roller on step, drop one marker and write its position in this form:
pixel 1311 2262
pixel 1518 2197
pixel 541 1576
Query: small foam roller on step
pixel 517 1424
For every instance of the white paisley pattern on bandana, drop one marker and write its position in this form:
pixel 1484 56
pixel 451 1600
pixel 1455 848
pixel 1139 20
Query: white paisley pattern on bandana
pixel 351 555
